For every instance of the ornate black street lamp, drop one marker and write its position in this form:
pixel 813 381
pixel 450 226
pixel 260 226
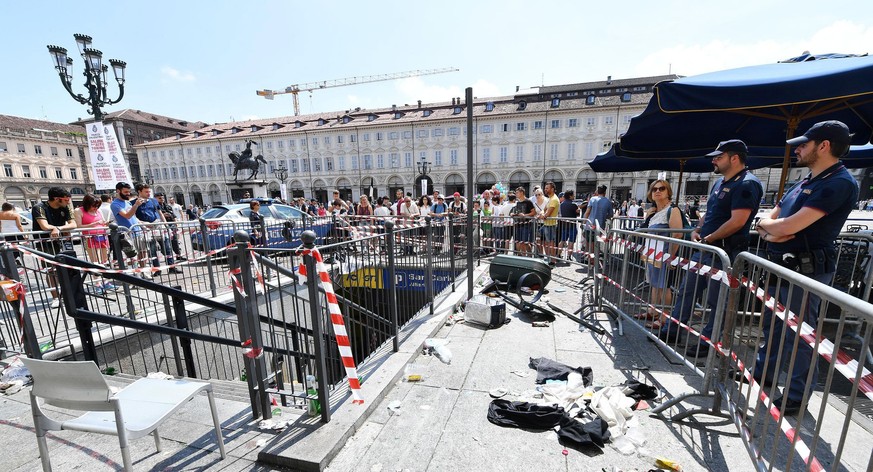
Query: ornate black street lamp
pixel 423 167
pixel 147 177
pixel 95 74
pixel 282 174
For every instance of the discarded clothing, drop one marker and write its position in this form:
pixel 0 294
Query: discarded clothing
pixel 580 434
pixel 638 390
pixel 531 416
pixel 524 415
pixel 548 369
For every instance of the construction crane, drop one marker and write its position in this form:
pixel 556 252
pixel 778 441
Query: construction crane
pixel 311 86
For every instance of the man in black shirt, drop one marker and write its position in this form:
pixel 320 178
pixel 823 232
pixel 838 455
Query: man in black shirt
pixel 567 230
pixel 524 213
pixel 170 217
pixel 54 216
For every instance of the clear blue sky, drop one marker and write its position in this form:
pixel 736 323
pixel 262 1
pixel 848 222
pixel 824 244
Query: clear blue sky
pixel 200 60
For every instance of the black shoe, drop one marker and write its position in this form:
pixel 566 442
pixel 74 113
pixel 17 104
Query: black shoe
pixel 668 336
pixel 787 405
pixel 181 258
pixel 175 270
pixel 739 377
pixel 697 350
pixel 156 273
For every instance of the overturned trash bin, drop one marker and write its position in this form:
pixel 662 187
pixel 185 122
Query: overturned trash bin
pixel 485 311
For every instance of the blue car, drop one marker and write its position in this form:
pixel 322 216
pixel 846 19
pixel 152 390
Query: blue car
pixel 284 225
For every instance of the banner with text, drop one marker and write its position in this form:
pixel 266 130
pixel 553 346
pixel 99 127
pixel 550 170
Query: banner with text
pixel 107 161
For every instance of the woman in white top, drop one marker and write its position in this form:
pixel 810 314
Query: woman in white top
pixel 540 201
pixel 10 225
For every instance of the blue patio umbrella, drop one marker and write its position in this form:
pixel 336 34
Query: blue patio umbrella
pixel 762 105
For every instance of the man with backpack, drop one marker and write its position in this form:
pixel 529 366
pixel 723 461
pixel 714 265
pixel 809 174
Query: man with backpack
pixel 733 203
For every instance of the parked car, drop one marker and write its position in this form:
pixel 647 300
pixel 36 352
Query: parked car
pixel 26 220
pixel 284 225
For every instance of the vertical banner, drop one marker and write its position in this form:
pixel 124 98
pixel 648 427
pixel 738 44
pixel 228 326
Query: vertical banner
pixel 120 172
pixel 283 191
pixel 100 164
pixel 424 186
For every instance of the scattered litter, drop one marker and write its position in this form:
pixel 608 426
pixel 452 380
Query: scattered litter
pixel 11 388
pixel 560 289
pixel 498 392
pixel 565 452
pixel 394 407
pixel 424 407
pixel 413 373
pixel 376 468
pixel 277 412
pixel 623 445
pixel 159 376
pixel 438 348
pixel 521 373
pixel 261 443
pixel 16 371
pixel 642 405
pixel 273 424
pixel 667 464
pixel 540 324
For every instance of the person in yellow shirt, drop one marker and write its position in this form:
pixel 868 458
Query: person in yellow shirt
pixel 549 229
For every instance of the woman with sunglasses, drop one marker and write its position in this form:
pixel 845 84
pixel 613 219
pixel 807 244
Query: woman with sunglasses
pixel 660 216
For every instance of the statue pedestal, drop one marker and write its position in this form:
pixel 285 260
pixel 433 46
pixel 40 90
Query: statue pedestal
pixel 247 189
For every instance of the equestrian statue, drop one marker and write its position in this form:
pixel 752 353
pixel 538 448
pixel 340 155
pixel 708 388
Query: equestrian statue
pixel 245 160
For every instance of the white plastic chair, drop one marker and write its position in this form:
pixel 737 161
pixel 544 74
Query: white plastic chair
pixel 132 413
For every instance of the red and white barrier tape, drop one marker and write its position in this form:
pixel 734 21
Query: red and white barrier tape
pixel 336 318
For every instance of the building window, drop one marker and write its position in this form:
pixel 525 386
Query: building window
pixel 553 152
pixel 166 174
pixel 314 142
pixel 407 135
pixel 200 150
pixel 589 100
pixel 220 169
pixel 353 138
pixel 281 144
pixel 37 149
pixel 504 154
pixel 556 102
pixel 437 132
pixel 174 172
pixel 487 128
pixel 453 157
pixel 454 131
pixel 316 164
pixel 394 157
pixel 21 149
pixel 380 136
pixel 59 173
pixel 608 120
pixel 354 162
pixel 519 154
pixel 457 111
pixel 371 117
pixel 304 165
pixel 589 151
pixel 328 164
pixel 426 113
pixel 54 151
pixel 7 170
pixel 74 174
pixel 538 125
pixel 571 151
pixel 555 124
pixel 163 154
pixel 505 127
pixel 422 133
pixel 192 171
pixel 522 105
pixel 380 161
pixel 489 106
pixel 294 165
pixel 210 170
pixel 368 161
pixel 341 160
pixel 326 141
pixel 486 155
pixel 626 97
pixel 3 147
pixel 591 122
pixel 25 171
pixel 43 172
pixel 627 119
pixel 366 136
pixel 519 126
pixel 394 135
pixel 407 157
pixel 538 152
pixel 438 158
pixel 292 143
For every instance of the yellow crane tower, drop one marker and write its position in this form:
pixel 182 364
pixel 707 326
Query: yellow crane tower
pixel 312 86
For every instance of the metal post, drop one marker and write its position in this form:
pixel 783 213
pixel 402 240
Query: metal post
pixel 392 282
pixel 174 340
pixel 73 297
pixel 28 336
pixel 470 183
pixel 429 266
pixel 205 237
pixel 308 239
pixel 182 323
pixel 115 239
pixel 451 223
pixel 239 258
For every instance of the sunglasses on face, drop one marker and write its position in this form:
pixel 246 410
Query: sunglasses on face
pixel 659 189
